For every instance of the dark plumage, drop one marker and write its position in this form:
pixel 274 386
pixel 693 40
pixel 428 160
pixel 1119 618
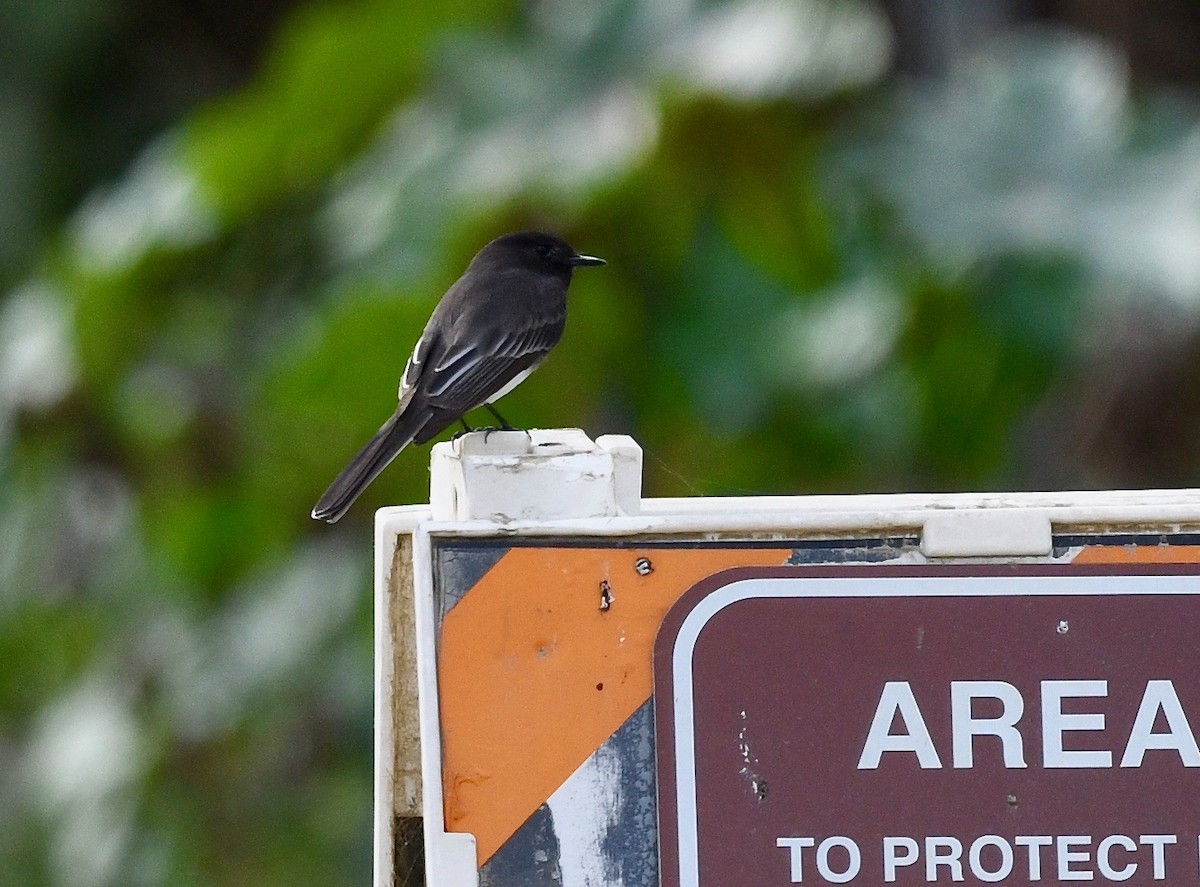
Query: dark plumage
pixel 491 329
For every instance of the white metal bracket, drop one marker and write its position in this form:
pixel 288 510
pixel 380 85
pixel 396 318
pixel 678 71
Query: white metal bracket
pixel 987 532
pixel 539 475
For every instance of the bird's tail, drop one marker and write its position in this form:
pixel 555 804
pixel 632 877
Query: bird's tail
pixel 394 436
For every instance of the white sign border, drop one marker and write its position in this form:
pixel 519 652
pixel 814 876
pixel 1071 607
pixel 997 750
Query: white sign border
pixel 859 586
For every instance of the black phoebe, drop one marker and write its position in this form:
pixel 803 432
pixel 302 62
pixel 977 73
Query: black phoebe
pixel 491 329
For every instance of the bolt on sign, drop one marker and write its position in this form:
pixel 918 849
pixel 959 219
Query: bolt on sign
pixel 992 723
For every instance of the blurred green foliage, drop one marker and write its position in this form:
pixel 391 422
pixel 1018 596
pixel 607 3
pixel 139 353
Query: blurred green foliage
pixel 822 277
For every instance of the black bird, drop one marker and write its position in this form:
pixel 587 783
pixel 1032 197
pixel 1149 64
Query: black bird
pixel 491 329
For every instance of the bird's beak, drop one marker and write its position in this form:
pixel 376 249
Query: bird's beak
pixel 577 261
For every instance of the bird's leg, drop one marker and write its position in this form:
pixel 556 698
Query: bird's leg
pixel 504 424
pixel 466 429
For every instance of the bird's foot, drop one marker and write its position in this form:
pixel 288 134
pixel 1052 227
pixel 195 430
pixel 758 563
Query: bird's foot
pixel 492 429
pixel 487 432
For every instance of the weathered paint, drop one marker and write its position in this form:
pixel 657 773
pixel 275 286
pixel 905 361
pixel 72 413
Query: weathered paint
pixel 533 676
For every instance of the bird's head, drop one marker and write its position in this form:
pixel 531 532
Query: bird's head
pixel 536 251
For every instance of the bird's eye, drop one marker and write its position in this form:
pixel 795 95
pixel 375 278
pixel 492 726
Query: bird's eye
pixel 542 249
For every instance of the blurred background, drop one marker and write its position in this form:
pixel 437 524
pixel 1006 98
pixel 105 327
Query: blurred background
pixel 853 246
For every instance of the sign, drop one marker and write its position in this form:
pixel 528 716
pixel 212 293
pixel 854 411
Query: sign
pixel 876 725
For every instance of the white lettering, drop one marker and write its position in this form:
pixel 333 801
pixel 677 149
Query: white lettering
pixel 991 859
pixel 1158 843
pixel 1034 844
pixel 852 867
pixel 1055 722
pixel 897 698
pixel 976 863
pixel 897 702
pixel 1066 856
pixel 1104 860
pixel 965 726
pixel 943 851
pixel 1160 696
pixel 891 858
pixel 795 847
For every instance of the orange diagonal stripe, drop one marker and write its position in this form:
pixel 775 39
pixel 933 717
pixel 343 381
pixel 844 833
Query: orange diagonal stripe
pixel 534 676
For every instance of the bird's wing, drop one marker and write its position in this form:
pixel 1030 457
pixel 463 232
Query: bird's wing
pixel 467 373
pixel 416 363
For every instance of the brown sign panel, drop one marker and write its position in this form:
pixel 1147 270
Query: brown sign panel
pixel 878 725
